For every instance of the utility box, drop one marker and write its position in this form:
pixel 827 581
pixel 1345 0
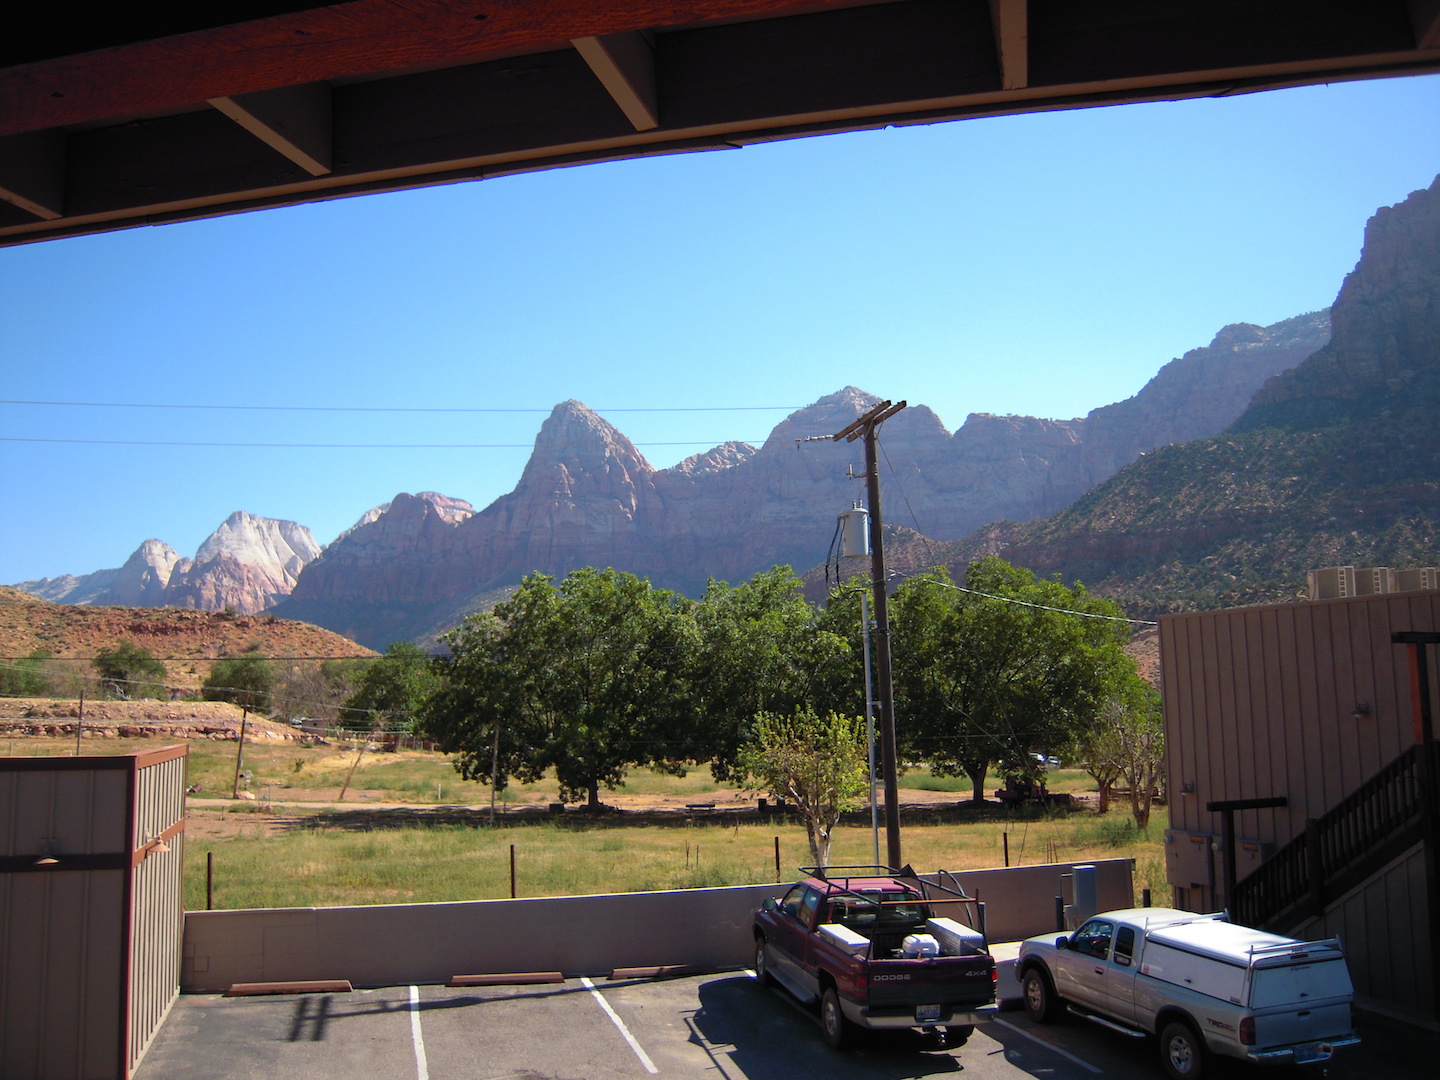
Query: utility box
pixel 91 911
pixel 1189 859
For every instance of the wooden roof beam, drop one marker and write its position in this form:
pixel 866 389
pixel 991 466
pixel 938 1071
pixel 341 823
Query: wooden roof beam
pixel 355 39
pixel 625 66
pixel 1011 19
pixel 1425 18
pixel 294 121
pixel 32 173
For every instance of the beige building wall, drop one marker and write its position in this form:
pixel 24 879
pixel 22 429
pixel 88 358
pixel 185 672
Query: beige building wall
pixel 89 942
pixel 1303 701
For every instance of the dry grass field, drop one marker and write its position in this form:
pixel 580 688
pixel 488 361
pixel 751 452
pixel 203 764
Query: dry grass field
pixel 411 830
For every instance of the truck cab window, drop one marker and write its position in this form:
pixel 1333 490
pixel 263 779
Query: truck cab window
pixel 1093 938
pixel 1124 946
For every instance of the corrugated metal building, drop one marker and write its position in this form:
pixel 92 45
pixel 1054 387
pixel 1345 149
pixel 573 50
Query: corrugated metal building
pixel 91 919
pixel 1303 768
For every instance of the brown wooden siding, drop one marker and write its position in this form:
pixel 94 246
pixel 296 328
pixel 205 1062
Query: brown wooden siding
pixel 1263 702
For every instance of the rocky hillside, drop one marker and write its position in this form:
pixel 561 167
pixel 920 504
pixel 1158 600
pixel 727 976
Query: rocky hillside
pixel 1335 462
pixel 246 565
pixel 589 497
pixel 186 640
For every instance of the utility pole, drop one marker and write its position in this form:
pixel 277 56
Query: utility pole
pixel 867 427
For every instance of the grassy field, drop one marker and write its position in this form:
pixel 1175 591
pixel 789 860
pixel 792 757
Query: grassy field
pixel 366 859
pixel 268 855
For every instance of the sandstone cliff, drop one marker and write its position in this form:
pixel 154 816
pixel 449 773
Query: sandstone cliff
pixel 589 497
pixel 245 565
pixel 1336 461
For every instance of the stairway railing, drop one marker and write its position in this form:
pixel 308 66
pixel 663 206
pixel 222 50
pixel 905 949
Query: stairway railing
pixel 1358 835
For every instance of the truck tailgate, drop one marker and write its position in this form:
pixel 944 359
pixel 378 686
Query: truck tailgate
pixel 949 980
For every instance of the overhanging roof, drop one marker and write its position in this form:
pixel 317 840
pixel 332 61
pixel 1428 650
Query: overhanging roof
pixel 178 111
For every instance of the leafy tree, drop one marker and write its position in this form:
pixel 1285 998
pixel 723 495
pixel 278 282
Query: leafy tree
pixel 760 650
pixel 1098 750
pixel 1010 667
pixel 129 671
pixel 247 681
pixel 311 689
pixel 816 762
pixel 587 679
pixel 30 677
pixel 392 691
pixel 1142 753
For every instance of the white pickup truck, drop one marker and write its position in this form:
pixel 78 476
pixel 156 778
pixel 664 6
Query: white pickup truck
pixel 1199 982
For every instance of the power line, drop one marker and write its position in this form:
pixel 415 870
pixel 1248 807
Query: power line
pixel 1041 607
pixel 391 408
pixel 343 446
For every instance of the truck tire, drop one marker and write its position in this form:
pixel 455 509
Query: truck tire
pixel 832 1020
pixel 1182 1053
pixel 762 963
pixel 1041 1002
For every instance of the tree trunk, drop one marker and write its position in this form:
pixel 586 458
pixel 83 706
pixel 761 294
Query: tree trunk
pixel 1104 796
pixel 977 779
pixel 592 801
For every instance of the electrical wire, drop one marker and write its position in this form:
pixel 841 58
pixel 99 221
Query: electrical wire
pixel 392 408
pixel 343 446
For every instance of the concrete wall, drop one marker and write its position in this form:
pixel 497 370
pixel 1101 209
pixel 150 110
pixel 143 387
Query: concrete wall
pixel 1020 900
pixel 579 935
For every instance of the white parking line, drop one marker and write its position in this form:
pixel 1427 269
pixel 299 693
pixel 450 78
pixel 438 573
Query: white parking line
pixel 1048 1046
pixel 614 1017
pixel 422 1070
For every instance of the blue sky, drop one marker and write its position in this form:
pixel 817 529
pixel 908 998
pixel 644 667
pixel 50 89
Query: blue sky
pixel 1043 265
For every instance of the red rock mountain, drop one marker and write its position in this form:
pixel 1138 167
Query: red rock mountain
pixel 246 565
pixel 589 497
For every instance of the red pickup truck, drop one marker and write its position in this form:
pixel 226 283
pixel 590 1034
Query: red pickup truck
pixel 878 948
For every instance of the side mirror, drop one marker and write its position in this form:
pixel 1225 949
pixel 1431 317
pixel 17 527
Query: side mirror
pixel 1062 942
pixel 768 904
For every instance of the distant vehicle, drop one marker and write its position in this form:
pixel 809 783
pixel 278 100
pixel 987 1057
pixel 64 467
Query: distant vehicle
pixel 878 948
pixel 1199 982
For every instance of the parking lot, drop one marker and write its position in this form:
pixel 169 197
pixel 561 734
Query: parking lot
pixel 723 1026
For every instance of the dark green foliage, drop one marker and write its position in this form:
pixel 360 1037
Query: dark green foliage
pixel 246 681
pixel 1009 667
pixel 128 671
pixel 587 679
pixel 29 677
pixel 392 691
pixel 760 650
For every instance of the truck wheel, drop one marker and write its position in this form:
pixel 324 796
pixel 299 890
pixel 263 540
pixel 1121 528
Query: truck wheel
pixel 762 964
pixel 832 1019
pixel 1041 1002
pixel 1182 1054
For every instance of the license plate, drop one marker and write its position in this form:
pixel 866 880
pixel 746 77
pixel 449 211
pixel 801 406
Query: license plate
pixel 927 1013
pixel 1307 1053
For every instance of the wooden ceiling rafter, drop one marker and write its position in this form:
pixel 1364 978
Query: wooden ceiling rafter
pixel 373 95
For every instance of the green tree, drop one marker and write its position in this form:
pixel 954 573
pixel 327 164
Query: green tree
pixel 587 679
pixel 246 681
pixel 1007 668
pixel 818 763
pixel 28 677
pixel 392 691
pixel 129 671
pixel 306 688
pixel 760 650
pixel 1142 754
